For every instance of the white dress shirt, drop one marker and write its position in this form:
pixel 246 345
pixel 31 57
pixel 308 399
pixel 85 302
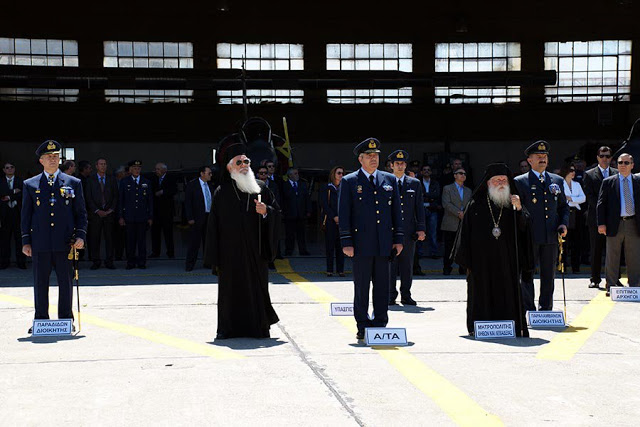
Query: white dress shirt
pixel 576 194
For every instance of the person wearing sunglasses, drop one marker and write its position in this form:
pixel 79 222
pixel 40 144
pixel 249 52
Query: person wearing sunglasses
pixel 329 198
pixel 543 196
pixel 575 197
pixel 10 209
pixel 242 234
pixel 591 185
pixel 618 201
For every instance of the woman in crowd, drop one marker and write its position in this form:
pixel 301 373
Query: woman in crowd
pixel 575 197
pixel 329 198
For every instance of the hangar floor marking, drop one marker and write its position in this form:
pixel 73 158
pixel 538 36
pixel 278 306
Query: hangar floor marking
pixel 454 402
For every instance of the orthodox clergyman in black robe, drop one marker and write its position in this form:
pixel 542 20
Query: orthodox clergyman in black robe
pixel 487 248
pixel 241 240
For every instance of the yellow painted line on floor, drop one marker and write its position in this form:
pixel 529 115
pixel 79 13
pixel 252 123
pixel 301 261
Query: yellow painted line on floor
pixel 146 334
pixel 568 342
pixel 454 402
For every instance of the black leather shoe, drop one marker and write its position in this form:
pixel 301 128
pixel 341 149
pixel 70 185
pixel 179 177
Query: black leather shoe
pixel 142 267
pixel 130 267
pixel 154 255
pixel 305 253
pixel 188 268
pixel 594 285
pixel 446 272
pixel 30 330
pixel 4 266
pixel 110 266
pixel 408 301
pixel 220 336
pixel 94 266
pixel 462 271
pixel 418 273
pixel 341 274
pixel 329 274
pixel 392 302
pixel 272 266
pixel 22 266
pixel 360 335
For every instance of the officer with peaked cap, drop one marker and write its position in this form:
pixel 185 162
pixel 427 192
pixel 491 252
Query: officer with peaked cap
pixel 135 212
pixel 370 223
pixel 54 217
pixel 413 223
pixel 542 194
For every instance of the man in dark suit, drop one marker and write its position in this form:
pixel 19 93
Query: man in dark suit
pixel 431 204
pixel 135 212
pixel 412 213
pixel 370 223
pixel 54 217
pixel 197 205
pixel 164 189
pixel 617 203
pixel 592 182
pixel 542 193
pixel 102 201
pixel 274 183
pixel 10 208
pixel 296 208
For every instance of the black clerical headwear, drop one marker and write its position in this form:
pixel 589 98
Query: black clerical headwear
pixel 494 169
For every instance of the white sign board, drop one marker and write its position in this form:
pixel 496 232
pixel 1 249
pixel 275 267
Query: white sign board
pixel 624 294
pixel 385 336
pixel 494 329
pixel 342 309
pixel 43 327
pixel 546 319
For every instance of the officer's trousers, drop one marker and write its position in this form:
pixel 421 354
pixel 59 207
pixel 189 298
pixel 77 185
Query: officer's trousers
pixel 545 256
pixel 137 237
pixel 365 270
pixel 403 265
pixel 43 263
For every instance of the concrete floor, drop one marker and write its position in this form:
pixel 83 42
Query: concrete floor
pixel 146 355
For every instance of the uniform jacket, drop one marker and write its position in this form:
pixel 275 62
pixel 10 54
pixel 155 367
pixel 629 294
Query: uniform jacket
pixel 452 204
pixel 13 196
pixel 164 205
pixel 51 221
pixel 433 196
pixel 194 206
pixel 370 219
pixel 296 205
pixel 411 209
pixel 94 197
pixel 591 183
pixel 548 211
pixel 608 207
pixel 136 201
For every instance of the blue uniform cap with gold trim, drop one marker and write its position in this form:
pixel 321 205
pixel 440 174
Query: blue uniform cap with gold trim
pixel 135 163
pixel 369 145
pixel 538 147
pixel 49 147
pixel 399 156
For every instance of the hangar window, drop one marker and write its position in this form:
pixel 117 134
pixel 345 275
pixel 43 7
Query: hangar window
pixel 477 57
pixel 39 52
pixel 589 71
pixel 36 94
pixel 370 57
pixel 137 54
pixel 264 57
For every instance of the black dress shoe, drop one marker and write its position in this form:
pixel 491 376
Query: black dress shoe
pixel 392 302
pixel 408 301
pixel 30 330
pixel 341 274
pixel 593 285
pixel 329 274
pixel 360 335
pixel 418 273
pixel 4 266
pixel 142 267
pixel 221 336
pixel 279 256
pixel 110 266
pixel 446 272
pixel 305 253
pixel 94 266
pixel 130 266
pixel 188 268
pixel 154 255
pixel 272 266
pixel 462 271
pixel 22 266
pixel 172 256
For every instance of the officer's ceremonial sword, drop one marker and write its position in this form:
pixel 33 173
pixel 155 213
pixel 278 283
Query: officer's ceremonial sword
pixel 73 256
pixel 561 268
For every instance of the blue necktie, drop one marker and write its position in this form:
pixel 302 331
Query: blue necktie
pixel 207 197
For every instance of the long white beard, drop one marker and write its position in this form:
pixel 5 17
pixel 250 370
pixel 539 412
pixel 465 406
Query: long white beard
pixel 500 196
pixel 246 182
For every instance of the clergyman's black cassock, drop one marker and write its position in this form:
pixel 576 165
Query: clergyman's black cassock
pixel 244 304
pixel 493 279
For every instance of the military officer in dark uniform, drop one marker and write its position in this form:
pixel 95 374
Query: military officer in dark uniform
pixel 542 193
pixel 412 212
pixel 135 212
pixel 54 217
pixel 370 223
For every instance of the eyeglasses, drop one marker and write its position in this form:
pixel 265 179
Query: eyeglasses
pixel 625 162
pixel 245 161
pixel 9 167
pixel 262 173
pixel 339 173
pixel 602 156
pixel 572 170
pixel 271 166
pixel 460 173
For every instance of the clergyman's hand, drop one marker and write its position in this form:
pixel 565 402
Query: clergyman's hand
pixel 348 251
pixel 261 208
pixel 26 249
pixel 515 201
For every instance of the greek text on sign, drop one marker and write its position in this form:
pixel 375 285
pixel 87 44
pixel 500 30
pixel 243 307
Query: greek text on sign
pixel 542 319
pixel 342 309
pixel 385 336
pixel 42 327
pixel 488 330
pixel 625 294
